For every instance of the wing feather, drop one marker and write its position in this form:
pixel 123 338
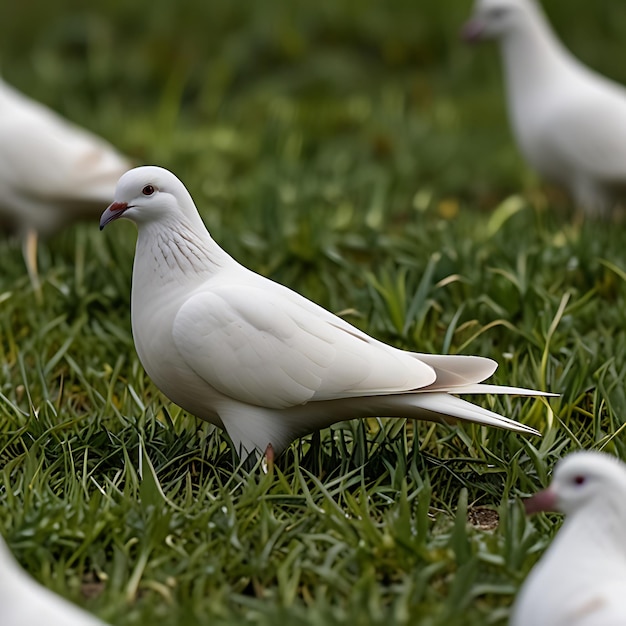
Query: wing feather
pixel 47 157
pixel 284 351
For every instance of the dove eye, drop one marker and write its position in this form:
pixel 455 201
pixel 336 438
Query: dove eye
pixel 148 190
pixel 579 480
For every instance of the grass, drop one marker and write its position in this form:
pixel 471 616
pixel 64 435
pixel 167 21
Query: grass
pixel 359 154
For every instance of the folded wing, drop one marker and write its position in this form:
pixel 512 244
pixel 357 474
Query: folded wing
pixel 276 353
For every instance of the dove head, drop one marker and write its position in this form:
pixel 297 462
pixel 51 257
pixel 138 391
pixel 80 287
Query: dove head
pixel 582 479
pixel 493 19
pixel 150 194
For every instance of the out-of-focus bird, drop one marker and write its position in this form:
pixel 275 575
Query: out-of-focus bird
pixel 569 121
pixel 24 602
pixel 257 359
pixel 581 579
pixel 51 171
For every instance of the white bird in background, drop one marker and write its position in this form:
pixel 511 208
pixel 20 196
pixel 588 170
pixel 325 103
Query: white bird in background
pixel 257 359
pixel 24 602
pixel 51 171
pixel 569 121
pixel 581 579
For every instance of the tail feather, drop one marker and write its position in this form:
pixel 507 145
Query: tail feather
pixel 482 388
pixel 455 370
pixel 252 428
pixel 448 406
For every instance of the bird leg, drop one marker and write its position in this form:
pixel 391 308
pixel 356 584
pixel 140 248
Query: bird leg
pixel 29 251
pixel 268 461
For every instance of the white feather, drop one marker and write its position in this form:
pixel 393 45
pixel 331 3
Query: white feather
pixel 24 602
pixel 580 580
pixel 256 358
pixel 51 172
pixel 569 121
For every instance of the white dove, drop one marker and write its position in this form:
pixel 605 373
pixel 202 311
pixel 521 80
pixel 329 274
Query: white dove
pixel 569 121
pixel 581 579
pixel 257 359
pixel 24 602
pixel 51 172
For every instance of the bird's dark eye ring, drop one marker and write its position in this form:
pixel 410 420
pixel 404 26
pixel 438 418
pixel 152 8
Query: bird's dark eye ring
pixel 579 480
pixel 148 190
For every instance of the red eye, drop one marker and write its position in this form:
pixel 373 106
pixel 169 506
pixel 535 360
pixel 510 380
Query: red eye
pixel 148 190
pixel 579 480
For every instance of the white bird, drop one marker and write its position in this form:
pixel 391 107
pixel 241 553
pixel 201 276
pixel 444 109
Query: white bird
pixel 24 602
pixel 51 171
pixel 568 120
pixel 581 579
pixel 257 359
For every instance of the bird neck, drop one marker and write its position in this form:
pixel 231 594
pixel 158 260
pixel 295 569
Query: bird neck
pixel 535 60
pixel 179 252
pixel 597 534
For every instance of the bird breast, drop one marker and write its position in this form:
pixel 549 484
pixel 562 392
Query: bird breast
pixel 156 299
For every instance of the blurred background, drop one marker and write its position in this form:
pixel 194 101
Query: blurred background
pixel 230 94
pixel 362 112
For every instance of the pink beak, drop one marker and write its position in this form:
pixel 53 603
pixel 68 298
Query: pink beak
pixel 543 501
pixel 472 31
pixel 114 211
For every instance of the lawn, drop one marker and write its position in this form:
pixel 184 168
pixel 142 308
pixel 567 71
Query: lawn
pixel 360 154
